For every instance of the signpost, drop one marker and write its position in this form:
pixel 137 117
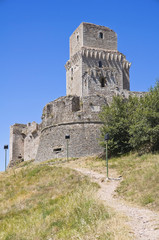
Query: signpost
pixel 5 148
pixel 106 138
pixel 67 137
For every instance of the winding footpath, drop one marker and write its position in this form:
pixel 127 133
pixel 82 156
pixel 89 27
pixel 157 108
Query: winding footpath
pixel 143 222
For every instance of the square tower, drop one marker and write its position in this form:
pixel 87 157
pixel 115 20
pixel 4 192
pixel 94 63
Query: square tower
pixel 95 65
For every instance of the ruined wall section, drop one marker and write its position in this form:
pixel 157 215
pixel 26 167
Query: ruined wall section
pixel 102 72
pixel 97 72
pixel 72 109
pixel 16 151
pixel 31 141
pixel 75 116
pixel 24 141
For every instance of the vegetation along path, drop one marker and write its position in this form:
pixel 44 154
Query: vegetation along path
pixel 143 222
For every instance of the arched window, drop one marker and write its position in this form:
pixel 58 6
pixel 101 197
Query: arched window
pixel 77 38
pixel 100 64
pixel 100 35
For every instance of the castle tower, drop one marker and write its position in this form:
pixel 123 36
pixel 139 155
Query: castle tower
pixel 95 65
pixel 95 73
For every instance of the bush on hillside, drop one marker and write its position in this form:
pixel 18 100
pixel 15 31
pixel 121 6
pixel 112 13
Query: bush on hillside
pixel 132 124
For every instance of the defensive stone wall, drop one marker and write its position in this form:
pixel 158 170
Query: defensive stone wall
pixel 31 140
pixel 95 72
pixel 16 150
pixel 24 141
pixel 74 116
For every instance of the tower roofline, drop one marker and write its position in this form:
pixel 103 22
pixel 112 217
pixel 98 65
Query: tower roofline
pixel 95 25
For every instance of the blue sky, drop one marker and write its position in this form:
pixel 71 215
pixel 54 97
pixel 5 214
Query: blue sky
pixel 34 47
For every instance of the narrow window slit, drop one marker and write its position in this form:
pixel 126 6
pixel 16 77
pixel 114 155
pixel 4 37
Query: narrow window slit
pixel 101 35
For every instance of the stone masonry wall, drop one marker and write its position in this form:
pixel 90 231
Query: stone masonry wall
pixel 16 150
pixel 83 141
pixel 72 109
pixel 89 68
pixel 31 141
pixel 75 116
pixel 88 35
pixel 95 65
pixel 92 38
pixel 95 73
pixel 24 141
pixel 74 76
pixel 76 40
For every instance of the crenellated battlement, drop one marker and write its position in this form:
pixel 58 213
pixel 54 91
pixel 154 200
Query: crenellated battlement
pixel 113 56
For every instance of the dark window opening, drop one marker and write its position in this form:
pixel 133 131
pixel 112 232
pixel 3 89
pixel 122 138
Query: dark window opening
pixel 77 38
pixel 23 135
pixel 102 82
pixel 100 35
pixel 100 64
pixel 57 150
pixel 20 156
pixel 48 110
pixel 35 134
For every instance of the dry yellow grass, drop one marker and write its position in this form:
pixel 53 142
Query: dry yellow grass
pixel 50 202
pixel 140 174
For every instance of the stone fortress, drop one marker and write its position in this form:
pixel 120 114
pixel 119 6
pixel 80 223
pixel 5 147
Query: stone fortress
pixel 95 73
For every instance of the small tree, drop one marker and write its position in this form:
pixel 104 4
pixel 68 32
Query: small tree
pixel 116 121
pixel 133 124
pixel 144 129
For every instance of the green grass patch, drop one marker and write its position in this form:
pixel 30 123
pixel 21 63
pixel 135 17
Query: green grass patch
pixel 140 183
pixel 140 178
pixel 48 202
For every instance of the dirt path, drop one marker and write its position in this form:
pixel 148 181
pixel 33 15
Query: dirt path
pixel 144 223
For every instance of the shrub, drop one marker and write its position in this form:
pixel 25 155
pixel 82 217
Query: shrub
pixel 133 124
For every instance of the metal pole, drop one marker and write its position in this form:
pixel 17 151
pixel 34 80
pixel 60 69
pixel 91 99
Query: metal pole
pixel 107 156
pixel 5 159
pixel 67 149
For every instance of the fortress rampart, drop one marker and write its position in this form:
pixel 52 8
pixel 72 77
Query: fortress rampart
pixel 95 73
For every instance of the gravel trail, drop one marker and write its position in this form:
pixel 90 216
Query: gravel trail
pixel 143 222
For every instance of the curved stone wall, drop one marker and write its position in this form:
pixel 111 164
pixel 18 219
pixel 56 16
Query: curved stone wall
pixel 83 140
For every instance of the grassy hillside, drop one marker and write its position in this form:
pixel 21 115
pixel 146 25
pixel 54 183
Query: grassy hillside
pixel 140 174
pixel 141 179
pixel 39 202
